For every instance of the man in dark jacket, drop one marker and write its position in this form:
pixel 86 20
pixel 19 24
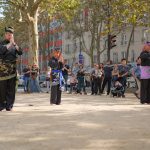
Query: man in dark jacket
pixel 145 74
pixel 8 56
pixel 107 77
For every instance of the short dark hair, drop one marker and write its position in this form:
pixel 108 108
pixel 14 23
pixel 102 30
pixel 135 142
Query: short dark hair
pixel 123 59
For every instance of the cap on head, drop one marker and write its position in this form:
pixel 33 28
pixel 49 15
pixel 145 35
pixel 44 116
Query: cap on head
pixel 9 29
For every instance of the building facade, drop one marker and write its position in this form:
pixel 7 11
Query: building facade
pixel 73 48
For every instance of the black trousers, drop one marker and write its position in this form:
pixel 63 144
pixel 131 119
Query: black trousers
pixel 97 85
pixel 145 91
pixel 7 93
pixel 108 82
pixel 55 97
pixel 92 86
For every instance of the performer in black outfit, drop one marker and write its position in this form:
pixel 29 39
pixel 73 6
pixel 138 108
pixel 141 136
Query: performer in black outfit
pixel 8 56
pixel 56 77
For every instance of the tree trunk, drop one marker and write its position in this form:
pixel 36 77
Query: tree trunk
pixel 92 60
pixel 92 50
pixel 129 43
pixel 33 39
pixel 108 49
pixel 98 41
pixel 98 57
pixel 74 55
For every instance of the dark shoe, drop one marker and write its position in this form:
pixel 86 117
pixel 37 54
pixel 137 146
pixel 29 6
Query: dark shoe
pixel 2 108
pixel 8 109
pixel 123 96
pixel 119 95
pixel 58 104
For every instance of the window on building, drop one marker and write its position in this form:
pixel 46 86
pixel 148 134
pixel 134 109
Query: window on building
pixel 82 17
pixel 95 58
pixel 145 36
pixel 105 58
pixel 132 56
pixel 51 37
pixel 123 39
pixel 123 54
pixel 115 58
pixel 75 46
pixel 68 49
pixel 68 34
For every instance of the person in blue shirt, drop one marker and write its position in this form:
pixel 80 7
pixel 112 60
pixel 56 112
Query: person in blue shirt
pixel 123 73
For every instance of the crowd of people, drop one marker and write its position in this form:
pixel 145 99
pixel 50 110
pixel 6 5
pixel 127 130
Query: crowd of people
pixel 114 76
pixel 100 76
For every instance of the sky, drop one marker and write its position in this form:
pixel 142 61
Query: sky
pixel 1 10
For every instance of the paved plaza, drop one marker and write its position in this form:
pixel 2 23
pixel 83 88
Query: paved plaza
pixel 80 123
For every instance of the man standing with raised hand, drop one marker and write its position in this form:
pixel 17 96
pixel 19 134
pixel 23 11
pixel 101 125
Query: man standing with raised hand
pixel 8 56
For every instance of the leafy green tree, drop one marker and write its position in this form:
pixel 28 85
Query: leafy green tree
pixel 29 11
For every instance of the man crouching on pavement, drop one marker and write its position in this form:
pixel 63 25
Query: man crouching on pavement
pixel 8 56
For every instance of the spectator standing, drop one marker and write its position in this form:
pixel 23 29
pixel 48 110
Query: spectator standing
pixel 97 80
pixel 93 78
pixel 75 68
pixel 123 73
pixel 34 84
pixel 115 73
pixel 26 77
pixel 48 75
pixel 73 82
pixel 81 80
pixel 145 74
pixel 65 72
pixel 107 77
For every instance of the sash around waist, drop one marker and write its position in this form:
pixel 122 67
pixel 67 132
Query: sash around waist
pixel 7 77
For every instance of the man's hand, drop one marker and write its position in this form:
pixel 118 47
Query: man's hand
pixel 12 40
pixel 13 43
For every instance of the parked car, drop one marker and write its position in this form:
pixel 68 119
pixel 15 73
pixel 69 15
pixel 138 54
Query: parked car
pixel 68 81
pixel 21 80
pixel 42 80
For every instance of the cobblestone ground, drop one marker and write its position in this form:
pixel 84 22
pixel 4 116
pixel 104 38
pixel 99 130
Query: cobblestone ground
pixel 80 123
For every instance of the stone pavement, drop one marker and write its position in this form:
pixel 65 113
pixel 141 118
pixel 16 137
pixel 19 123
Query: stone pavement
pixel 80 123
